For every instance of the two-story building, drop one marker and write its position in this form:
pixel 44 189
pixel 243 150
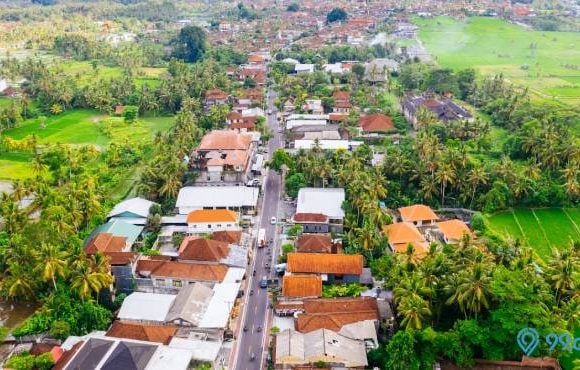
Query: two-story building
pixel 223 157
pixel 419 215
pixel 204 221
pixel 319 210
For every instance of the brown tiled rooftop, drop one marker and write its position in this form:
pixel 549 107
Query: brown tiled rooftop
pixel 314 243
pixel 191 271
pixel 376 122
pixel 203 249
pixel 182 270
pixel 310 217
pixel 232 237
pixel 148 333
pixel 334 313
pixel 225 140
pixel 105 242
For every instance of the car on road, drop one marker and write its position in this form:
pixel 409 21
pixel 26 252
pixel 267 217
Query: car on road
pixel 273 220
pixel 270 111
pixel 264 282
pixel 253 182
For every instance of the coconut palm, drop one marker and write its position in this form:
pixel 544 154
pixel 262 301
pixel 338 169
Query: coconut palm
pixel 415 311
pixel 445 175
pixel 52 263
pixel 475 177
pixel 17 282
pixel 85 281
pixel 472 291
pixel 563 273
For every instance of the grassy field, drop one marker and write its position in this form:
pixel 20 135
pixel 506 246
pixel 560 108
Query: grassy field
pixel 543 229
pixel 546 62
pixel 85 73
pixel 81 126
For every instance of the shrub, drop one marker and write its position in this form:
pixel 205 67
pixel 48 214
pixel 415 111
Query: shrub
pixel 59 329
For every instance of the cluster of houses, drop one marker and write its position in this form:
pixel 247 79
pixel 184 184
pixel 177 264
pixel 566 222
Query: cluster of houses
pixel 337 331
pixel 341 331
pixel 182 302
pixel 419 226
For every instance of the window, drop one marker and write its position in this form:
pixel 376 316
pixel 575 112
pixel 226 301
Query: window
pixel 160 282
pixel 218 225
pixel 209 226
pixel 177 283
pixel 194 226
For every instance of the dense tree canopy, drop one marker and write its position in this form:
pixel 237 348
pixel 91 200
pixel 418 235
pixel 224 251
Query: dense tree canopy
pixel 190 44
pixel 336 14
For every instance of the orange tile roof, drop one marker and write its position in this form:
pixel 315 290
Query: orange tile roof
pixel 338 116
pixel 255 58
pixel 148 333
pixel 121 258
pixel 232 237
pixel 225 140
pixel 420 248
pixel 341 95
pixel 376 122
pixel 324 263
pixel 182 270
pixel 453 229
pixel 212 215
pixel 417 212
pixel 314 243
pixel 234 116
pixel 203 249
pixel 246 124
pixel 106 242
pixel 215 94
pixel 403 232
pixel 342 104
pixel 334 313
pixel 302 286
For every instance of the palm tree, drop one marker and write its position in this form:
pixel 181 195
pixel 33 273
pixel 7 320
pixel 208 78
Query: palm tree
pixel 475 177
pixel 85 281
pixel 17 283
pixel 445 175
pixel 415 311
pixel 472 291
pixel 52 263
pixel 564 276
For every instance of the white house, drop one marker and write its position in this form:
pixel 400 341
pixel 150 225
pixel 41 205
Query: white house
pixel 303 68
pixel 237 198
pixel 203 221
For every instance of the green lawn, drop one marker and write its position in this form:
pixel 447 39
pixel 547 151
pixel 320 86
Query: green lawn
pixel 542 61
pixel 543 229
pixel 4 102
pixel 14 166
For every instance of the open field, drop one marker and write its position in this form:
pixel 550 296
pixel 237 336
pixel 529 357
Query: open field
pixel 546 62
pixel 542 228
pixel 81 126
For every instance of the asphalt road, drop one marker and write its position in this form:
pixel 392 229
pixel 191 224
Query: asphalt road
pixel 256 309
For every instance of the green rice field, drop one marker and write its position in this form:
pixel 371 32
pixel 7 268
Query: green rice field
pixel 546 62
pixel 541 228
pixel 80 126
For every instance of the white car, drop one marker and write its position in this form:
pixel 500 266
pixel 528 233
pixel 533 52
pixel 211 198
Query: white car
pixel 273 220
